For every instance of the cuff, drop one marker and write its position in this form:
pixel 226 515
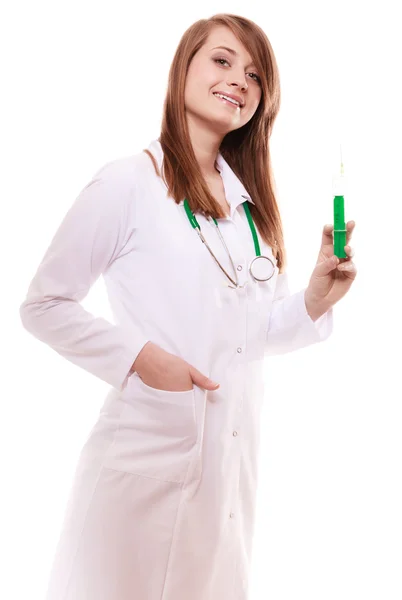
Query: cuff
pixel 322 328
pixel 126 361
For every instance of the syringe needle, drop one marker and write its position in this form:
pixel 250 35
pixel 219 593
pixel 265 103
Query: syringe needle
pixel 342 171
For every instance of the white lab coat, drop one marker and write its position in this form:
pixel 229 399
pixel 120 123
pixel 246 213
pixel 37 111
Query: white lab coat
pixel 162 504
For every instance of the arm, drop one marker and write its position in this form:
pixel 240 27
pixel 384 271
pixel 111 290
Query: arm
pixel 291 325
pixel 89 239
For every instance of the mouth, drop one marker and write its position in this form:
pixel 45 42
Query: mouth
pixel 228 102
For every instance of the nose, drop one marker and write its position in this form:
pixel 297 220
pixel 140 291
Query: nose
pixel 239 82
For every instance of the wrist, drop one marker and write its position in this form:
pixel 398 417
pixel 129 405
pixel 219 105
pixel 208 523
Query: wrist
pixel 315 308
pixel 142 356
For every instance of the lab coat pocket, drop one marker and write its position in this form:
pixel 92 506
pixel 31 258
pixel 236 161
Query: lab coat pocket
pixel 157 434
pixel 158 391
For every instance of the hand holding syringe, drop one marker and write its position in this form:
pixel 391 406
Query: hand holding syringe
pixel 335 270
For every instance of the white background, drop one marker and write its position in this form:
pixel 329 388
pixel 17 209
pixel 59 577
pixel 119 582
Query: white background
pixel 84 83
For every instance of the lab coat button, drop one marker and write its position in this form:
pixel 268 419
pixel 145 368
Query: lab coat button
pixel 239 350
pixel 234 433
pixel 239 267
pixel 231 515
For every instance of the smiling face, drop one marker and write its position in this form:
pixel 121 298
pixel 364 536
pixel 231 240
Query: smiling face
pixel 215 69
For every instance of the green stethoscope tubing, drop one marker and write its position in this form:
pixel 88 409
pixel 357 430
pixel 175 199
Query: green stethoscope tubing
pixel 195 225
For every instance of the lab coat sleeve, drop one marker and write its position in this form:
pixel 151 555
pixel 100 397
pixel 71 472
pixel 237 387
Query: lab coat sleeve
pixel 290 326
pixel 92 234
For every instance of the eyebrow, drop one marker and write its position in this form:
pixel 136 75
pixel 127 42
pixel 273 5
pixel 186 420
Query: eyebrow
pixel 231 51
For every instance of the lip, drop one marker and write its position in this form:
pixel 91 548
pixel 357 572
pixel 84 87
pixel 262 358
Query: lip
pixel 238 98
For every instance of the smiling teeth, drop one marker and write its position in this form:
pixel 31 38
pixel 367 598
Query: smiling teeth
pixel 226 98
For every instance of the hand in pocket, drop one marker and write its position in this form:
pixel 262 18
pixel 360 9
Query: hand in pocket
pixel 165 371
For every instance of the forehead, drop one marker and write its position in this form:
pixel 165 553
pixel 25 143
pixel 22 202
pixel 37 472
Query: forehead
pixel 223 36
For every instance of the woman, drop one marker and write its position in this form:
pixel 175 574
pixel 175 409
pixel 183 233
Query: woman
pixel 163 500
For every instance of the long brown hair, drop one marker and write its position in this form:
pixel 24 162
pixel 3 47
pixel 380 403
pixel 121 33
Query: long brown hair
pixel 246 150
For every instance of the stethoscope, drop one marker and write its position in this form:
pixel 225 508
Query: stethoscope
pixel 261 267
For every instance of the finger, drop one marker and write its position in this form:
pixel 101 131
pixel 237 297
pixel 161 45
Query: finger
pixel 327 234
pixel 349 251
pixel 349 230
pixel 348 267
pixel 326 266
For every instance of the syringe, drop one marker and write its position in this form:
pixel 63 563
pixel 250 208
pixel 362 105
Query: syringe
pixel 338 184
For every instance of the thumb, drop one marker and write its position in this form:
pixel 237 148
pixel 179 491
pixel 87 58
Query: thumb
pixel 202 381
pixel 326 266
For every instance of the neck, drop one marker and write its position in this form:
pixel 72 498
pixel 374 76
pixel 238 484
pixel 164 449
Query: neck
pixel 206 146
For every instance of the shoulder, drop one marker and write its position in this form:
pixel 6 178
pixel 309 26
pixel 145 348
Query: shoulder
pixel 122 173
pixel 111 190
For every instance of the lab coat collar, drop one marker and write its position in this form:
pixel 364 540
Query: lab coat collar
pixel 235 191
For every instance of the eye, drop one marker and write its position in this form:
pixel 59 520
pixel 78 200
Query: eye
pixel 257 77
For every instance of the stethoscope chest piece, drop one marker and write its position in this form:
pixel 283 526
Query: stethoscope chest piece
pixel 262 268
